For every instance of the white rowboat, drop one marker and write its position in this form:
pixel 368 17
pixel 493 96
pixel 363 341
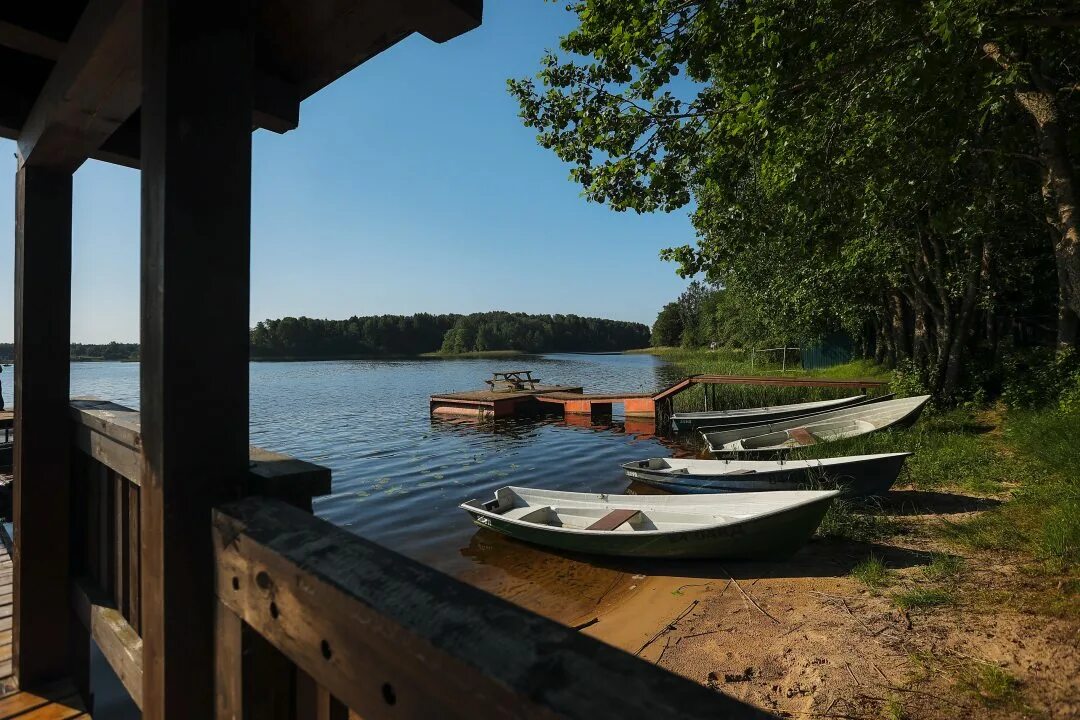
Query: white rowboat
pixel 854 476
pixel 683 421
pixel 823 427
pixel 733 526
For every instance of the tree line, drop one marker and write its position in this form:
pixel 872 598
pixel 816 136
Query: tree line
pixel 902 171
pixel 448 334
pixel 85 351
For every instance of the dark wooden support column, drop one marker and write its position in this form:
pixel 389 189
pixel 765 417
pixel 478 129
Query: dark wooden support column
pixel 196 206
pixel 42 373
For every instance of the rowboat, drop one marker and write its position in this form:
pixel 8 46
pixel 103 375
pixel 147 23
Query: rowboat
pixel 730 526
pixel 683 421
pixel 823 427
pixel 854 476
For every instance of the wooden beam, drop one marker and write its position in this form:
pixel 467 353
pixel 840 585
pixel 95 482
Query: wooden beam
pixel 119 643
pixel 27 41
pixel 393 638
pixel 198 80
pixel 92 90
pixel 42 439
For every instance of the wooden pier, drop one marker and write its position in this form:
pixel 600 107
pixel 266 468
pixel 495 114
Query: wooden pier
pixel 573 400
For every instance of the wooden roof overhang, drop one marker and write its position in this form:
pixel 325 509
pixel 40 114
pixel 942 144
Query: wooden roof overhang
pixel 72 69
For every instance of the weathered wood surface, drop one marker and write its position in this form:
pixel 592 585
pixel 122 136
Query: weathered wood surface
pixel 42 445
pixel 119 643
pixel 73 69
pixel 393 638
pixel 490 396
pixel 58 700
pixel 112 435
pixel 198 90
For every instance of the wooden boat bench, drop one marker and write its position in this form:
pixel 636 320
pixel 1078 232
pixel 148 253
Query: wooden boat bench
pixel 613 519
pixel 802 436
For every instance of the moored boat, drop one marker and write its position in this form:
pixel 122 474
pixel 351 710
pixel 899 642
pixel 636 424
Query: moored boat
pixel 854 476
pixel 823 427
pixel 683 421
pixel 730 526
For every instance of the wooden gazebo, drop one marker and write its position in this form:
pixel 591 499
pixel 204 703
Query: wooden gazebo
pixel 190 559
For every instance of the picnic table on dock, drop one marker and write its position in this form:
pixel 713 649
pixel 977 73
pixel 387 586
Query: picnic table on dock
pixel 511 380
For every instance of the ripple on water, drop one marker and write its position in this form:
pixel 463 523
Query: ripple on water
pixel 399 474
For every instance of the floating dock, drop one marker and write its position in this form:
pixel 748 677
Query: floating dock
pixel 573 400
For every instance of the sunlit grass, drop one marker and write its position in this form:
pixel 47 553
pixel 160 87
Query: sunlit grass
pixel 943 567
pixel 919 598
pixel 871 572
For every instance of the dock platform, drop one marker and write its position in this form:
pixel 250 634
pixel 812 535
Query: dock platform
pixel 573 400
pixel 494 403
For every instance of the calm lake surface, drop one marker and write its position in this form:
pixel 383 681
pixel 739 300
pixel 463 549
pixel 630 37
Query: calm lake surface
pixel 400 474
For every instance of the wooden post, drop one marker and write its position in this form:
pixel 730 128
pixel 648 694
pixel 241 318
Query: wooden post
pixel 198 59
pixel 42 434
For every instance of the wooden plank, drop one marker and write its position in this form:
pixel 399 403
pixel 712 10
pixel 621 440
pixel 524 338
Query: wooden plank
pixel 119 643
pixel 124 459
pixel 196 204
pixel 393 638
pixel 134 612
pixel 614 519
pixel 42 439
pixel 228 664
pixel 66 708
pixel 121 543
pixel 27 41
pixel 24 701
pixel 91 91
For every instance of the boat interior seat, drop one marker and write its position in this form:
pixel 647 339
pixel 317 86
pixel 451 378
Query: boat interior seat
pixel 802 436
pixel 614 519
pixel 529 513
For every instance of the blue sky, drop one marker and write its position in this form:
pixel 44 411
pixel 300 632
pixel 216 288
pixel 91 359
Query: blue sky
pixel 410 186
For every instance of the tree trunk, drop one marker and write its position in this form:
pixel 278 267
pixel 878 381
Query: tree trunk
pixel 901 345
pixel 951 381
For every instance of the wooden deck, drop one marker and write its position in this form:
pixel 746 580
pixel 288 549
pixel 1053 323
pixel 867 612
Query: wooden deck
pixel 493 403
pixel 56 701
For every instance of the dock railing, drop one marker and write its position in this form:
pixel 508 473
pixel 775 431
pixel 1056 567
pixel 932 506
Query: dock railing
pixel 106 469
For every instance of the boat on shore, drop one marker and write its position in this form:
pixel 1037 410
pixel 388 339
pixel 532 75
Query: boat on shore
pixel 854 476
pixel 729 526
pixel 822 427
pixel 722 419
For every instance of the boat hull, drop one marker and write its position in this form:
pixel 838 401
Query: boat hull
pixel 771 537
pixel 859 478
pixel 721 420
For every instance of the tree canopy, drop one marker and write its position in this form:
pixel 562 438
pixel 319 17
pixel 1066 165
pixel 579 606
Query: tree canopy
pixel 415 334
pixel 901 170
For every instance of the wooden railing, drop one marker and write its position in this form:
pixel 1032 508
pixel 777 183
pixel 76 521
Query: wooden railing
pixel 105 538
pixel 383 636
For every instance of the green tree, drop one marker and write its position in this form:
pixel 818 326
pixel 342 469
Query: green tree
pixel 904 170
pixel 668 328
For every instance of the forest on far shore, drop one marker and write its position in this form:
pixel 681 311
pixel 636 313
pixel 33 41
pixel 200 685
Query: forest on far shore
pixel 405 335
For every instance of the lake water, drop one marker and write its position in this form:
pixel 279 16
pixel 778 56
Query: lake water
pixel 399 474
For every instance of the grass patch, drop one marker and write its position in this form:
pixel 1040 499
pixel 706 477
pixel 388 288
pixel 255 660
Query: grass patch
pixel 1043 516
pixel 943 566
pixel 993 685
pixel 952 450
pixel 921 598
pixel 855 521
pixel 871 572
